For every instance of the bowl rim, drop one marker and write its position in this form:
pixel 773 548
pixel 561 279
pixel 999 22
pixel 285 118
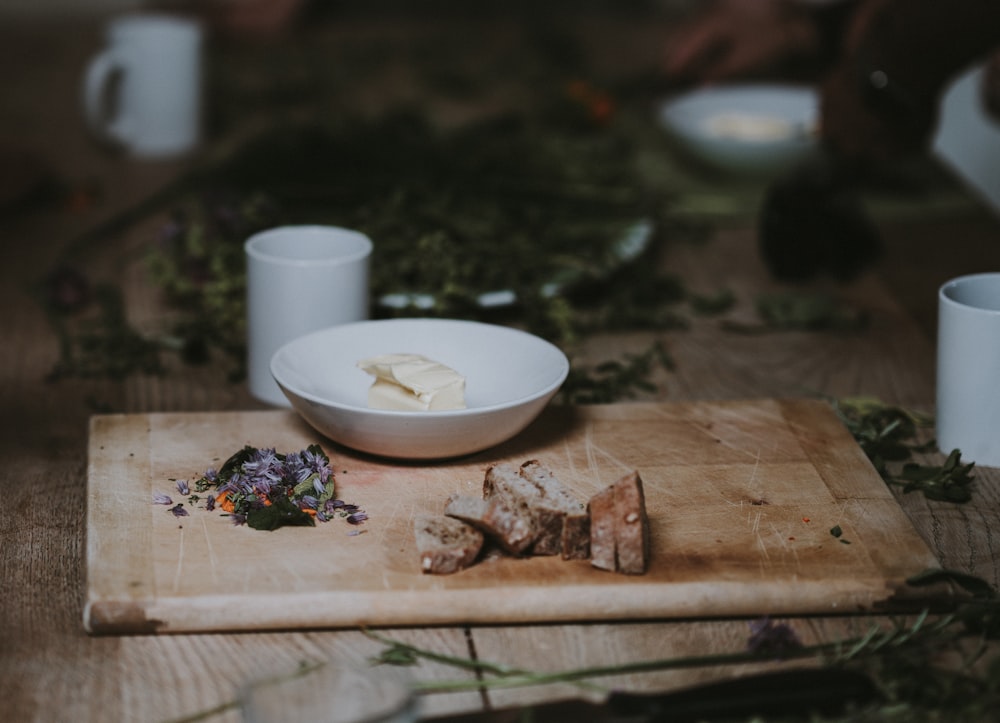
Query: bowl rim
pixel 548 390
pixel 681 114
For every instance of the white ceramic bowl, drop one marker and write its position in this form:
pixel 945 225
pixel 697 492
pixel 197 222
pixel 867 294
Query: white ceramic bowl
pixel 510 377
pixel 746 129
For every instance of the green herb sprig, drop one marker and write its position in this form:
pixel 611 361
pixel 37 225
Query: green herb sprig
pixel 911 660
pixel 616 379
pixel 888 435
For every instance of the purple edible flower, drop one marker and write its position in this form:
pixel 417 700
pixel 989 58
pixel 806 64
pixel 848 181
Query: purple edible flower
pixel 308 502
pixel 263 467
pixel 317 464
pixel 179 510
pixel 210 503
pixel 161 499
pixel 183 488
pixel 237 519
pixel 357 518
pixel 296 469
pixel 238 484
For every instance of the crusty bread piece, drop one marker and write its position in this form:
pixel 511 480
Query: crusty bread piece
pixel 631 525
pixel 563 523
pixel 602 530
pixel 619 527
pixel 445 544
pixel 496 518
pixel 504 486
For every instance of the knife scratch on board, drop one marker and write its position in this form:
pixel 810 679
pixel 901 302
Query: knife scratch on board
pixel 594 451
pixel 180 561
pixel 212 561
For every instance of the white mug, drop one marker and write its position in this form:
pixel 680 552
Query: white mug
pixel 300 279
pixel 968 368
pixel 143 91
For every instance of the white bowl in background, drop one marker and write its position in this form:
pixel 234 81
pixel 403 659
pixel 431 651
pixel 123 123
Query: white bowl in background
pixel 510 377
pixel 745 129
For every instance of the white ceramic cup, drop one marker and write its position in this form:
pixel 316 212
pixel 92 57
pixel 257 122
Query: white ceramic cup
pixel 968 368
pixel 300 279
pixel 143 91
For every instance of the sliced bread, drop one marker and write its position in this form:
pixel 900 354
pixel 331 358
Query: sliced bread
pixel 445 544
pixel 497 518
pixel 631 525
pixel 619 527
pixel 562 521
pixel 602 530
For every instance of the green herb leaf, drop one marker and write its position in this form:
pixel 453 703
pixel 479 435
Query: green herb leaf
pixel 888 434
pixel 280 513
pixel 808 312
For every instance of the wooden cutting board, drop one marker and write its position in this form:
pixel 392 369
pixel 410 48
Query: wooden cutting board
pixel 741 495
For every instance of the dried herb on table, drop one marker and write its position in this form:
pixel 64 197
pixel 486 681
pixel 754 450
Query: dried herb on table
pixel 96 339
pixel 266 490
pixel 801 311
pixel 949 482
pixel 888 435
pixel 198 262
pixel 837 532
pixel 614 380
pixel 924 668
pixel 525 204
pixel 508 202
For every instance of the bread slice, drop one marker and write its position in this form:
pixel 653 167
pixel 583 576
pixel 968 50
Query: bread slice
pixel 631 525
pixel 619 527
pixel 445 544
pixel 504 486
pixel 602 530
pixel 496 518
pixel 562 521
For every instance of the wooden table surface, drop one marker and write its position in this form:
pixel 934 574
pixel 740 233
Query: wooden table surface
pixel 50 669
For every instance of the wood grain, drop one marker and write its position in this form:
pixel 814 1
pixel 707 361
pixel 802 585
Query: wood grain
pixel 741 496
pixel 51 670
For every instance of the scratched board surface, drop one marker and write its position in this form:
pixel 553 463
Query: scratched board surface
pixel 742 497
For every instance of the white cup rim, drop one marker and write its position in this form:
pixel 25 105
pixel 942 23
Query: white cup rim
pixel 358 247
pixel 948 291
pixel 153 20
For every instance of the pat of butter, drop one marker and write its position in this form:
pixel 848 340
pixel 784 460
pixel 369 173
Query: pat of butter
pixel 411 382
pixel 749 127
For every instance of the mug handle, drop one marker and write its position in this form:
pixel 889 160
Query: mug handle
pixel 96 85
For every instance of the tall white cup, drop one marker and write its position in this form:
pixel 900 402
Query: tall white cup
pixel 143 91
pixel 968 368
pixel 300 279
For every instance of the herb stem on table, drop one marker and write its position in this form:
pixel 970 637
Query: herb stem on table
pixel 905 659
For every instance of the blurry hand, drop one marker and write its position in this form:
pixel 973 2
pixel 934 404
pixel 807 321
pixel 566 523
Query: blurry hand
pixel 256 18
pixel 880 102
pixel 739 38
pixel 864 124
